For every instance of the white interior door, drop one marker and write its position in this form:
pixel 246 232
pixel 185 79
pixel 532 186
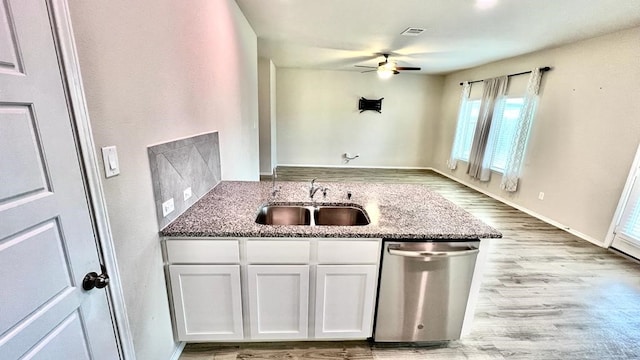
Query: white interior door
pixel 626 237
pixel 47 243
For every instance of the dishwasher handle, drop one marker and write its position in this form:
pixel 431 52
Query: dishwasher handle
pixel 397 250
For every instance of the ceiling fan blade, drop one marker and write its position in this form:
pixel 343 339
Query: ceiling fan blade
pixel 364 66
pixel 407 68
pixel 366 71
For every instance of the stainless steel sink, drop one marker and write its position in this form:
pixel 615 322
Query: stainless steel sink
pixel 324 215
pixel 340 216
pixel 284 215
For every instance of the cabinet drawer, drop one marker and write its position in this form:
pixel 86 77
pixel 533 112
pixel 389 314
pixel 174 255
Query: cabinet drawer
pixel 278 252
pixel 203 251
pixel 348 251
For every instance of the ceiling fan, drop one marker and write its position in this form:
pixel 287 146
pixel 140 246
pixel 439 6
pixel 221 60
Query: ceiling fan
pixel 387 68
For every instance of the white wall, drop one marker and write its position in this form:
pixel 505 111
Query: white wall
pixel 274 115
pixel 318 118
pixel 156 71
pixel 267 104
pixel 584 136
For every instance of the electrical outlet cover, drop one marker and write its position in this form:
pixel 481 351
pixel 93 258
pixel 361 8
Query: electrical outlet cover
pixel 187 194
pixel 168 207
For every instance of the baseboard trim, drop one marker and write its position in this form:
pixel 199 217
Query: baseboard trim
pixel 624 254
pixel 527 211
pixel 178 351
pixel 345 166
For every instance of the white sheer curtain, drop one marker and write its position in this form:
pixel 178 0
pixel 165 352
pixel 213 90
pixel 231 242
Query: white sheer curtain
pixel 519 143
pixel 457 149
pixel 493 98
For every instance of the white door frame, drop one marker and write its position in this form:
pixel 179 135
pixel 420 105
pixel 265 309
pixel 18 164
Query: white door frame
pixel 626 191
pixel 76 101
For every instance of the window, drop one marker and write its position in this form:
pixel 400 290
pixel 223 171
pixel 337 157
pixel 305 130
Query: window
pixel 631 224
pixel 508 123
pixel 506 126
pixel 470 118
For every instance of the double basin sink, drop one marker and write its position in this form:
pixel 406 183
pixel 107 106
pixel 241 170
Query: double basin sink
pixel 312 215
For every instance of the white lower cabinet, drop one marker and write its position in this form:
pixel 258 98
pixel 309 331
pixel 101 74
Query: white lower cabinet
pixel 345 300
pixel 282 285
pixel 207 302
pixel 278 301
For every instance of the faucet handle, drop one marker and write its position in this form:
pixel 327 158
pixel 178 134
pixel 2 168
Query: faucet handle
pixel 348 195
pixel 324 192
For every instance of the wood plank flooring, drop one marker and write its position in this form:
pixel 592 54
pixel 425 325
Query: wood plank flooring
pixel 546 294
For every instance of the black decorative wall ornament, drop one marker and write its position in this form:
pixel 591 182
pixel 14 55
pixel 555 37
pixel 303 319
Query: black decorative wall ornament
pixel 365 104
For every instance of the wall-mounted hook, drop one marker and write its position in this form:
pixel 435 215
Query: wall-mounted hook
pixel 346 157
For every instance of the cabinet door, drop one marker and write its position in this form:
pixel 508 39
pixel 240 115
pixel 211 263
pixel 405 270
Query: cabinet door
pixel 345 298
pixel 278 301
pixel 207 302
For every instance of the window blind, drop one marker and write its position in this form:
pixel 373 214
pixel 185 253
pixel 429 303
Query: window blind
pixel 506 133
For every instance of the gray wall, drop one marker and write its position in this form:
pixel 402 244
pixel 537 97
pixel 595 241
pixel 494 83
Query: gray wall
pixel 155 71
pixel 583 139
pixel 189 163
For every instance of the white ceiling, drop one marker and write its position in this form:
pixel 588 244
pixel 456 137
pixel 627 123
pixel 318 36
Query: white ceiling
pixel 338 34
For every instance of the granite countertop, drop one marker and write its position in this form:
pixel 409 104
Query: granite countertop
pixel 398 211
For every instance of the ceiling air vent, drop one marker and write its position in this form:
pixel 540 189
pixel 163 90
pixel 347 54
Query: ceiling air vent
pixel 412 31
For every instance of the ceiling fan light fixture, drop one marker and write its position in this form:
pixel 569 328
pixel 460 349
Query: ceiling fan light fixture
pixel 385 73
pixel 389 66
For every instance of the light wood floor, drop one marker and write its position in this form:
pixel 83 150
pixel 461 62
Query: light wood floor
pixel 546 294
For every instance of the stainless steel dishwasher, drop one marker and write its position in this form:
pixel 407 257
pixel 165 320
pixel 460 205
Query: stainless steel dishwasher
pixel 424 288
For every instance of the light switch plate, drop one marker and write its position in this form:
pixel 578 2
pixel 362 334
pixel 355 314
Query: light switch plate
pixel 110 159
pixel 167 207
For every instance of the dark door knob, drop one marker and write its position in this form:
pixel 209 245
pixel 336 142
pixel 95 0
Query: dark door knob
pixel 93 280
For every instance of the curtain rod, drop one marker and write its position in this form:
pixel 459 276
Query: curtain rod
pixel 542 69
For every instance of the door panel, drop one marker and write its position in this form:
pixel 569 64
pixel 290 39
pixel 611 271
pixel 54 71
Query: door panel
pixel 68 338
pixel 207 302
pixel 23 157
pixel 9 50
pixel 47 243
pixel 278 301
pixel 345 298
pixel 38 248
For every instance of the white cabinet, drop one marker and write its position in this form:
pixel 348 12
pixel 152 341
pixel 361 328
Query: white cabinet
pixel 346 282
pixel 345 298
pixel 207 303
pixel 278 301
pixel 205 288
pixel 272 288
